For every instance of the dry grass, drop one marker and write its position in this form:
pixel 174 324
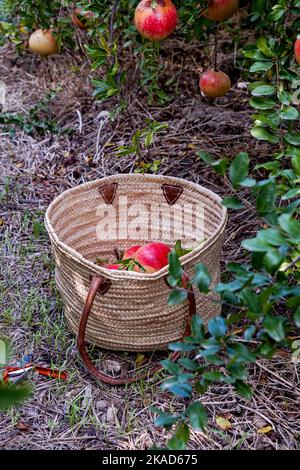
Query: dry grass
pixel 79 413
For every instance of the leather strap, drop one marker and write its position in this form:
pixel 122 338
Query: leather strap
pixel 101 285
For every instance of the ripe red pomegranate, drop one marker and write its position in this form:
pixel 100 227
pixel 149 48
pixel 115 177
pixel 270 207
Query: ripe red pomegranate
pixel 214 84
pixel 155 19
pixel 43 42
pixel 115 267
pixel 297 49
pixel 152 256
pixel 79 18
pixel 219 10
pixel 130 253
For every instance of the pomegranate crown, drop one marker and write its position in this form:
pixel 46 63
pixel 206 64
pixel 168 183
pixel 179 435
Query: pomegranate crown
pixel 154 3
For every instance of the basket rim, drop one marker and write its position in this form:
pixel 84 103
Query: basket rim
pixel 125 275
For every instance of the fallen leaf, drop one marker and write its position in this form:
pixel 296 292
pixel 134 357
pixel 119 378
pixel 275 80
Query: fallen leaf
pixel 239 330
pixel 265 429
pixel 223 423
pixel 111 414
pixel 110 365
pixel 22 426
pixel 1 221
pixel 282 353
pixel 140 359
pixel 102 405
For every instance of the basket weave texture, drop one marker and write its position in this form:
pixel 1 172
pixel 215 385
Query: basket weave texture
pixel 133 315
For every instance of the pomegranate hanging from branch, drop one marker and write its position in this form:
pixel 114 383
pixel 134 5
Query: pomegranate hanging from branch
pixel 155 19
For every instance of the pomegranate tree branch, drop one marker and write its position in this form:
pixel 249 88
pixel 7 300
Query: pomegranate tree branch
pixel 112 21
pixel 216 50
pixel 292 263
pixel 199 10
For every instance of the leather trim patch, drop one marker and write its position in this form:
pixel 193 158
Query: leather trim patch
pixel 172 193
pixel 105 285
pixel 108 192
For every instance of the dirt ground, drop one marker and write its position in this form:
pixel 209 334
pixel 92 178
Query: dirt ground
pixel 79 413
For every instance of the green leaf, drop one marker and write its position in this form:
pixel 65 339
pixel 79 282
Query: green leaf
pixel 284 97
pixel 254 244
pixel 164 419
pixel 271 236
pixel 297 317
pixel 263 46
pixel 197 327
pixel 254 54
pixel 220 166
pixel 201 387
pixel 266 349
pixel 13 395
pixel 182 347
pixel 180 438
pixel 232 202
pixel 217 326
pixel 205 156
pixel 238 371
pixel 289 113
pixel 248 182
pixel 272 260
pixel 202 278
pixel 189 364
pixel 208 351
pixel 296 163
pixel 255 84
pixel 175 269
pixel 262 66
pixel 262 103
pixel 4 351
pixel 177 296
pixel 274 326
pixel 170 366
pixel 213 359
pixel 291 226
pixel 179 250
pixel 266 198
pixel 271 166
pixel 178 386
pixel 263 90
pixel 197 415
pixel 240 353
pixel 291 194
pixel 261 133
pixel 239 169
pixel 243 389
pixel 251 300
pixel 293 139
pixel 266 119
pixel 276 14
pixel 212 376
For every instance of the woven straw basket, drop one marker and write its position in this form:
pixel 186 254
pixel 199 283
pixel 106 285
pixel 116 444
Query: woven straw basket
pixel 126 310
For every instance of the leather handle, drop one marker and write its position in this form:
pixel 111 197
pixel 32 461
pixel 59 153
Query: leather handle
pixel 101 285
